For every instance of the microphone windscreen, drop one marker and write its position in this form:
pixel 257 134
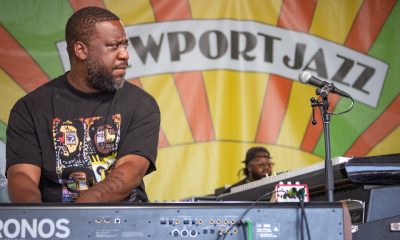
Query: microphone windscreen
pixel 304 76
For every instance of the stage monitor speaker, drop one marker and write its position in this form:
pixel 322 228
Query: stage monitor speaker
pixel 384 229
pixel 383 203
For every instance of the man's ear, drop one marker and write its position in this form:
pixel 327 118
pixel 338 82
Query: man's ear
pixel 80 50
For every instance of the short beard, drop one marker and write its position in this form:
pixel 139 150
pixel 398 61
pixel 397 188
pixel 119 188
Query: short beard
pixel 100 79
pixel 256 176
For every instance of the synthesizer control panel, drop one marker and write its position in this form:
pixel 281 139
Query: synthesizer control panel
pixel 171 221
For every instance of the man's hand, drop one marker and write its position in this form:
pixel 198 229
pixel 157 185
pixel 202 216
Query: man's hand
pixel 23 183
pixel 127 174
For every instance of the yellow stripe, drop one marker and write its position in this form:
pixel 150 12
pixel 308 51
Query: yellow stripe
pixel 235 101
pixel 386 145
pixel 297 116
pixel 333 19
pixel 10 92
pixel 132 11
pixel 173 118
pixel 257 10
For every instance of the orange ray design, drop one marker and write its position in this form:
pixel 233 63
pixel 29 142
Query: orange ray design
pixel 78 4
pixel 19 63
pixel 192 91
pixel 171 10
pixel 302 10
pixel 383 125
pixel 135 81
pixel 275 104
pixel 274 109
pixel 190 85
pixel 372 16
pixel 162 141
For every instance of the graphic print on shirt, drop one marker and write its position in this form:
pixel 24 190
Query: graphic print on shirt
pixel 85 150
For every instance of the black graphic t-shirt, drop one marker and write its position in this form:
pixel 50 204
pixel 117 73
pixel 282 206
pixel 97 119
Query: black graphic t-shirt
pixel 76 138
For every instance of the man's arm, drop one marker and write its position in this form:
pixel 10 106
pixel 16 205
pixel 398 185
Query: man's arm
pixel 23 183
pixel 127 174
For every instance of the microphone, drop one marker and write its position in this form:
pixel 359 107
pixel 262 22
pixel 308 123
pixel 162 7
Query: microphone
pixel 306 78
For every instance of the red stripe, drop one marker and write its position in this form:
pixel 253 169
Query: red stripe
pixel 19 63
pixel 274 109
pixel 171 10
pixel 369 22
pixel 313 132
pixel 275 105
pixel 162 139
pixel 135 81
pixel 297 15
pixel 78 4
pixel 383 126
pixel 192 92
pixel 190 85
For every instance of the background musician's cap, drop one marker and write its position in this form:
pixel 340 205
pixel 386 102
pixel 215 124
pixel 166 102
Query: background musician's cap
pixel 254 152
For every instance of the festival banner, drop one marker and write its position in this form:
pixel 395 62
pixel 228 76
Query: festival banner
pixel 225 75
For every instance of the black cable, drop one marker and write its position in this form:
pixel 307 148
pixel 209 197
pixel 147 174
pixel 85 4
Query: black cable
pixel 347 110
pixel 244 228
pixel 301 222
pixel 218 236
pixel 300 196
pixel 240 221
pixel 306 221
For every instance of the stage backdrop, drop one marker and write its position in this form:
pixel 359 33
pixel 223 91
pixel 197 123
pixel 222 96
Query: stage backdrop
pixel 225 74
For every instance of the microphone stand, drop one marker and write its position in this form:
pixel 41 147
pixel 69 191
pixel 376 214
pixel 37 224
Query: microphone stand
pixel 324 106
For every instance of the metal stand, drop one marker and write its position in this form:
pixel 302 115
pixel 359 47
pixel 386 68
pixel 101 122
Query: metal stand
pixel 324 106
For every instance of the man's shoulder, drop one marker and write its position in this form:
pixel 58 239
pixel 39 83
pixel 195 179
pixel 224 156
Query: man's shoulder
pixel 38 99
pixel 43 92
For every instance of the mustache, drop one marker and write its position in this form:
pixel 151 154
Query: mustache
pixel 122 66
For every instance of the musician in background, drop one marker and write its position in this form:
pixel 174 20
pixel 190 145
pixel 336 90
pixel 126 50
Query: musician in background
pixel 258 164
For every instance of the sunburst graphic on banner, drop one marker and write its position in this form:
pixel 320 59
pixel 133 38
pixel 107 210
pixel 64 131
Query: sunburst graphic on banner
pixel 211 117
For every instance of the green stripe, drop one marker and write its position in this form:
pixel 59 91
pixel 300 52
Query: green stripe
pixel 37 25
pixel 3 128
pixel 345 129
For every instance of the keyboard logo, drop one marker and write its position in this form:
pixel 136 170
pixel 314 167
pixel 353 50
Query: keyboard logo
pixel 34 228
